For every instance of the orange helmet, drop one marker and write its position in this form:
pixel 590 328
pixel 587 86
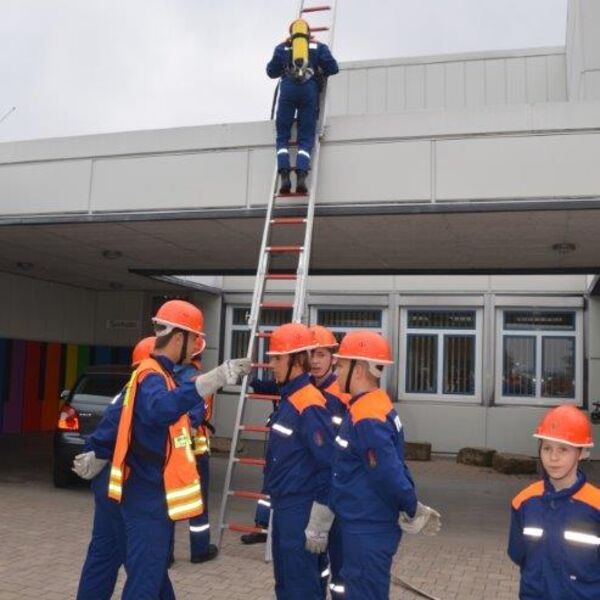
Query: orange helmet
pixel 291 338
pixel 142 350
pixel 566 424
pixel 324 337
pixel 179 314
pixel 365 345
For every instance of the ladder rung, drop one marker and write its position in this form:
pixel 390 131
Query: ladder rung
pixel 291 195
pixel 274 305
pixel 315 29
pixel 261 365
pixel 244 528
pixel 278 249
pixel 288 221
pixel 251 495
pixel 270 397
pixel 315 9
pixel 255 428
pixel 263 334
pixel 255 462
pixel 281 276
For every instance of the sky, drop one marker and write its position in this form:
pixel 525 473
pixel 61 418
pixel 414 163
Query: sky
pixel 76 67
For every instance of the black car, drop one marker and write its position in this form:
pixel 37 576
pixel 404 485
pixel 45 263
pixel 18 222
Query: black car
pixel 80 414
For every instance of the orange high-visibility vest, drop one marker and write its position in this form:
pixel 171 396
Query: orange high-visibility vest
pixel 334 388
pixel 180 475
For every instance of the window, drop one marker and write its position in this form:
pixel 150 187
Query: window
pixel 441 350
pixel 342 320
pixel 238 333
pixel 539 361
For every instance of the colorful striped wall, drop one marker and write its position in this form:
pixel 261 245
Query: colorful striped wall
pixel 33 374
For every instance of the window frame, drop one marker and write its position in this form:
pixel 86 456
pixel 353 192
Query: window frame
pixel 539 335
pixel 405 332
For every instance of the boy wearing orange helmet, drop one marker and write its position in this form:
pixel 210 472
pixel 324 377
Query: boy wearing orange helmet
pixel 298 467
pixel 555 523
pixel 325 380
pixel 373 494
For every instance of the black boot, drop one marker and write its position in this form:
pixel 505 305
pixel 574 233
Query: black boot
pixel 254 538
pixel 285 184
pixel 301 182
pixel 212 553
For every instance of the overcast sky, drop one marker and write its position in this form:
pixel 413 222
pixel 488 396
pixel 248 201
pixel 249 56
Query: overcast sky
pixel 75 67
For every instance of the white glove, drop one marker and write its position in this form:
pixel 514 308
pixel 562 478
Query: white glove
pixel 227 373
pixel 426 521
pixel 317 530
pixel 87 466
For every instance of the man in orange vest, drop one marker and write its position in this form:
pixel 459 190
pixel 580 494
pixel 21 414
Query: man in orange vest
pixel 153 473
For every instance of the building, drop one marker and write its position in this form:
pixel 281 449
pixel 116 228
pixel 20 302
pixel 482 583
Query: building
pixel 457 212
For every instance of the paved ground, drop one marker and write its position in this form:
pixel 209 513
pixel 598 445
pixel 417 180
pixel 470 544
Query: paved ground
pixel 45 532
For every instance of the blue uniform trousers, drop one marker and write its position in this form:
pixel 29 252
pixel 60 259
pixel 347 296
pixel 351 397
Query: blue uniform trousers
pixel 297 575
pixel 149 532
pixel 335 560
pixel 367 562
pixel 106 552
pixel 199 526
pixel 303 98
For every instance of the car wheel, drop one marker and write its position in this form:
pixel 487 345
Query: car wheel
pixel 62 476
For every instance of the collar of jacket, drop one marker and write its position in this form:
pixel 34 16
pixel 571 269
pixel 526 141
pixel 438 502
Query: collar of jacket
pixel 325 383
pixel 166 363
pixel 358 397
pixel 295 384
pixel 551 494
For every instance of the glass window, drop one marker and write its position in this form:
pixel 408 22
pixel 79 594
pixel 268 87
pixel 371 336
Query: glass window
pixel 421 367
pixel 518 377
pixel 238 333
pixel 558 367
pixel 441 352
pixel 341 320
pixel 538 356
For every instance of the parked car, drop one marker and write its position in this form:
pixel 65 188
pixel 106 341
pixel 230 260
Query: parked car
pixel 80 414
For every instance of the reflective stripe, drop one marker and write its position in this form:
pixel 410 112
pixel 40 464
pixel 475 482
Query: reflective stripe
pixel 304 153
pixel 113 401
pixel 283 151
pixel 265 503
pixel 326 572
pixel 113 487
pixel 535 532
pixel 282 429
pixel 337 589
pixel 194 488
pixel 116 471
pixel 582 538
pixel 185 507
pixel 337 420
pixel 312 45
pixel 397 422
pixel 341 442
pixel 199 528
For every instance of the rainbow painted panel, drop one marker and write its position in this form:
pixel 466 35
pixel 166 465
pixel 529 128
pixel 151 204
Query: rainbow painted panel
pixel 32 375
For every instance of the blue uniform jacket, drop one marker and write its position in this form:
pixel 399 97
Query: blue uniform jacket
pixel 300 446
pixel 102 441
pixel 371 483
pixel 320 59
pixel 337 409
pixel 186 373
pixel 555 540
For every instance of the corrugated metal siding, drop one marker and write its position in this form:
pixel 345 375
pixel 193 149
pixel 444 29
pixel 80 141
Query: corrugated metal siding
pixel 436 83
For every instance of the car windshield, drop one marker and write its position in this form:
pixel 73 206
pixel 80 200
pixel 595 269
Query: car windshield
pixel 106 385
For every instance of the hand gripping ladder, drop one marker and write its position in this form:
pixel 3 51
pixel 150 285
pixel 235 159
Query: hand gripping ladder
pixel 270 252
